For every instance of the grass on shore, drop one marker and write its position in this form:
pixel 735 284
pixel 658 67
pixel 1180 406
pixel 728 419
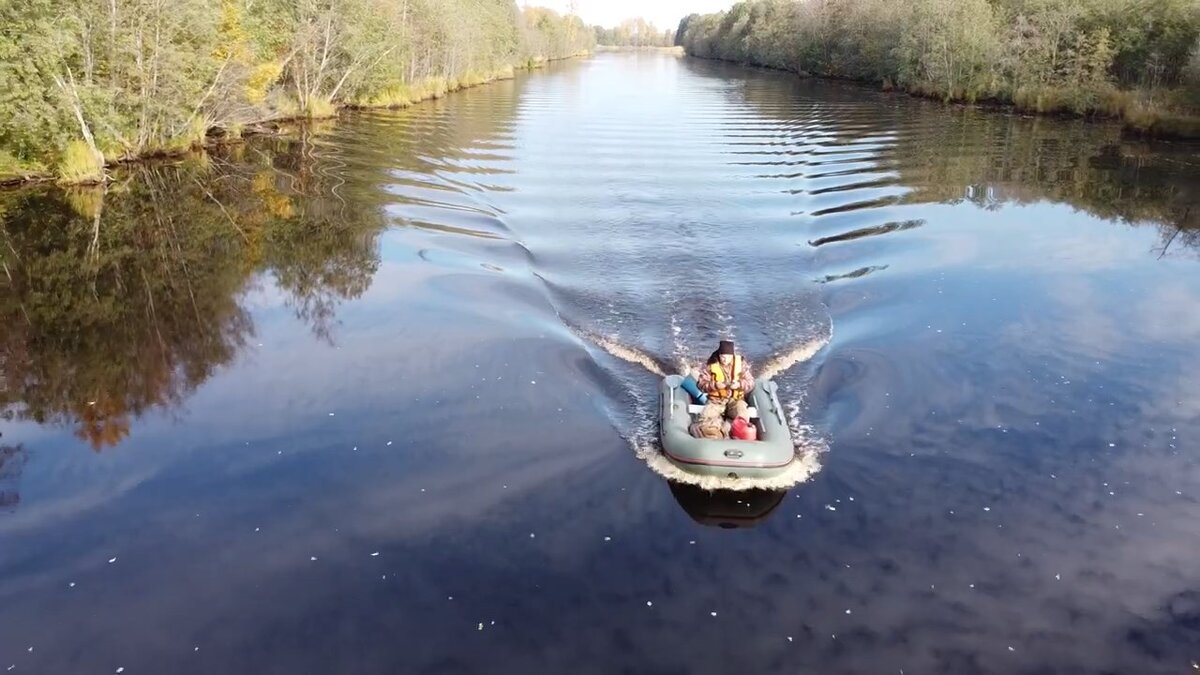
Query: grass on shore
pixel 80 166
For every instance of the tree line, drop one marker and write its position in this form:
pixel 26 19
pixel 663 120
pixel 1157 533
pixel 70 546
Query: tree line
pixel 1134 59
pixel 83 82
pixel 635 32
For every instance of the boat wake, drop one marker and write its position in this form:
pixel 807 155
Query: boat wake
pixel 807 464
pixel 786 360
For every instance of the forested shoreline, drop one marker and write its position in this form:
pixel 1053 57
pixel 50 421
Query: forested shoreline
pixel 1133 60
pixel 85 83
pixel 636 32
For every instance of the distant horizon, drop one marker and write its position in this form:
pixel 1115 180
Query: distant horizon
pixel 664 14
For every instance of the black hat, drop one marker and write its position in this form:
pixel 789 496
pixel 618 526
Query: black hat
pixel 726 347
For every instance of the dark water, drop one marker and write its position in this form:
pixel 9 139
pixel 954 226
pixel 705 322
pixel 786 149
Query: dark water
pixel 372 397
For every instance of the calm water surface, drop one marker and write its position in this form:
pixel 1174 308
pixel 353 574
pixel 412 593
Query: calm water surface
pixel 374 396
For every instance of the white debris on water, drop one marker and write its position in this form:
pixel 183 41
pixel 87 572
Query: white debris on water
pixel 847 611
pixel 987 508
pixel 481 625
pixel 608 539
pixel 71 585
pixel 313 558
pixel 789 638
pixel 389 442
pixel 532 535
pixel 120 669
pixel 649 604
pixel 375 554
pixel 112 560
pixel 713 613
pixel 830 507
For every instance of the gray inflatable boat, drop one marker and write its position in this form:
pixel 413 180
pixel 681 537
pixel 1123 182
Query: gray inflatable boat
pixel 769 456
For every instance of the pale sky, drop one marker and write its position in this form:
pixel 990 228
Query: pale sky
pixel 662 13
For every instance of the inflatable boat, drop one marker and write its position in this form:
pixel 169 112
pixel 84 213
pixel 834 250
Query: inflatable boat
pixel 766 457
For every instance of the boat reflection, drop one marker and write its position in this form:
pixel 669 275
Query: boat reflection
pixel 726 509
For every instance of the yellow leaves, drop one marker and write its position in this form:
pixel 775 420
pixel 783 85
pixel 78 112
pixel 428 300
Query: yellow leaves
pixel 234 42
pixel 260 79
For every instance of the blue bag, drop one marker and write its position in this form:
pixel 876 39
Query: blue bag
pixel 689 385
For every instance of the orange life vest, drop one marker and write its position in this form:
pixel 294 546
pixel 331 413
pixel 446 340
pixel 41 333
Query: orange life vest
pixel 721 385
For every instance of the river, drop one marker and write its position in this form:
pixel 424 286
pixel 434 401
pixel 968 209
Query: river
pixel 376 395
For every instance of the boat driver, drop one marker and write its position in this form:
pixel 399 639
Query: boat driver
pixel 726 379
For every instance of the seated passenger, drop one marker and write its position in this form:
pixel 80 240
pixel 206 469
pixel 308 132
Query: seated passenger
pixel 726 379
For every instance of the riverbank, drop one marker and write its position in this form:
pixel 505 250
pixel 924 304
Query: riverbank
pixel 622 48
pixel 88 93
pixel 396 97
pixel 1121 106
pixel 1081 60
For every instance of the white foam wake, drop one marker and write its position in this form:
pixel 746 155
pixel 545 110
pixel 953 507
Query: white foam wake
pixel 626 353
pixel 785 360
pixel 809 448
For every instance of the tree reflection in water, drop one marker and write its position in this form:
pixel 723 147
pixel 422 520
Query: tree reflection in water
pixel 122 300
